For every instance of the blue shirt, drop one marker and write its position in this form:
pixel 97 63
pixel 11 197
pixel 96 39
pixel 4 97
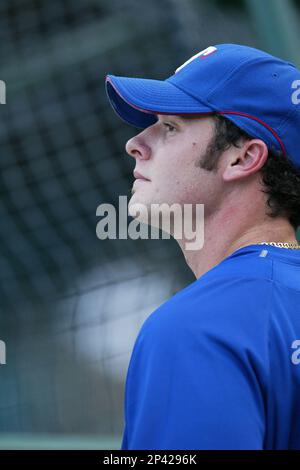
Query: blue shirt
pixel 217 366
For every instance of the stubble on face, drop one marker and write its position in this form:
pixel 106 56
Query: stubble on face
pixel 199 146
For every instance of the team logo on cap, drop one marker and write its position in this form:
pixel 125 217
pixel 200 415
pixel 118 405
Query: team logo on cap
pixel 202 55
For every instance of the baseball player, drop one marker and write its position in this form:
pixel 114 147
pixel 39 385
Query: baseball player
pixel 217 366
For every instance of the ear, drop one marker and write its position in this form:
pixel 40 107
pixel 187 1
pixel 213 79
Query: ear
pixel 246 160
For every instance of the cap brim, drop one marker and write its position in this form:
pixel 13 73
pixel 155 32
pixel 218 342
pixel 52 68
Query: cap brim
pixel 138 100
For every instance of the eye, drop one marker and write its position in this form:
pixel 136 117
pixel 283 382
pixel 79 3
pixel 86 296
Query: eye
pixel 169 126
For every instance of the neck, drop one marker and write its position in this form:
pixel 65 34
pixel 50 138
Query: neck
pixel 222 237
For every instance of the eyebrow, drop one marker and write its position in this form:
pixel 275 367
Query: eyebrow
pixel 181 118
pixel 176 116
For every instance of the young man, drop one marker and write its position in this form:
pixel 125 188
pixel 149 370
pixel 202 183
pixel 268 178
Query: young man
pixel 217 366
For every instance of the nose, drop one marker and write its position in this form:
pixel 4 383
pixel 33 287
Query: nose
pixel 137 148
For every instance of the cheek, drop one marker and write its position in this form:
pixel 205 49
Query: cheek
pixel 177 173
pixel 191 193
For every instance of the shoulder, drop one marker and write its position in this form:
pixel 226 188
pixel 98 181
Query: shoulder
pixel 233 304
pixel 217 314
pixel 220 300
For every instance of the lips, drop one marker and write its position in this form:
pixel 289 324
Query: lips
pixel 139 176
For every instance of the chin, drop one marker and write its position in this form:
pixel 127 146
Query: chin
pixel 134 202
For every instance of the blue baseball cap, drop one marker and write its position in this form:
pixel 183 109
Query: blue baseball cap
pixel 260 93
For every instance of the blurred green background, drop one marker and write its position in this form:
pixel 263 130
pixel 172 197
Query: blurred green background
pixel 72 305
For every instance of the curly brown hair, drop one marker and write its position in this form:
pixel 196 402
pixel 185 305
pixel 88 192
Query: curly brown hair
pixel 279 177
